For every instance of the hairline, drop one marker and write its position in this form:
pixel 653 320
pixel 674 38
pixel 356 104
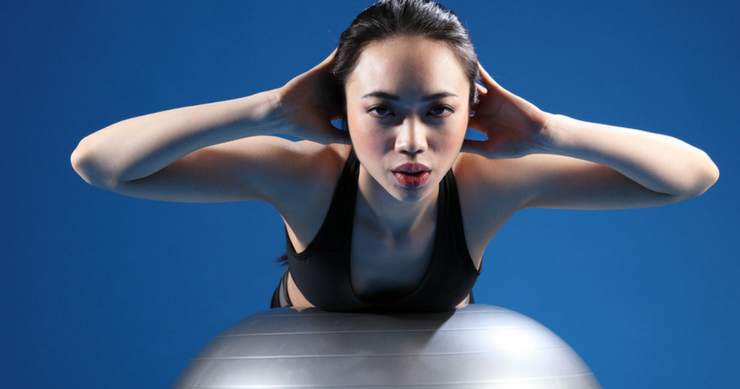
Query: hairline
pixel 450 45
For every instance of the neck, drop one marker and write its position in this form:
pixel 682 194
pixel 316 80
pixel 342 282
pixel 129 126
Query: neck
pixel 389 215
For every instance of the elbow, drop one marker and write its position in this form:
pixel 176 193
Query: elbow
pixel 82 162
pixel 704 178
pixel 87 165
pixel 709 177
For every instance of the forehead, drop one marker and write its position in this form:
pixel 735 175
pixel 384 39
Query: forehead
pixel 408 64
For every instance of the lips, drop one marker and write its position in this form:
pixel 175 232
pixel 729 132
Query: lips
pixel 412 175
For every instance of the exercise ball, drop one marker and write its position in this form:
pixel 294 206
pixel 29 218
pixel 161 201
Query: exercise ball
pixel 478 346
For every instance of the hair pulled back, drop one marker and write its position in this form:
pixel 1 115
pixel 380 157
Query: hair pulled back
pixel 396 18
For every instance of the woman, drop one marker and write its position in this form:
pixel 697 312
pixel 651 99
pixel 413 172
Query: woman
pixel 395 212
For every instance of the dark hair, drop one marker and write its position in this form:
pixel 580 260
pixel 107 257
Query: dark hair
pixel 393 18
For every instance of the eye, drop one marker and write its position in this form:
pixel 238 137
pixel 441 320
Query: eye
pixel 441 110
pixel 380 111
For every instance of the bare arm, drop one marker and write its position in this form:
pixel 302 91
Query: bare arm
pixel 561 162
pixel 212 152
pixel 613 167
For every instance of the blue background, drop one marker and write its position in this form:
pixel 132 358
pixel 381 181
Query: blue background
pixel 103 291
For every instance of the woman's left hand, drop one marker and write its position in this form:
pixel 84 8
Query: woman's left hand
pixel 514 126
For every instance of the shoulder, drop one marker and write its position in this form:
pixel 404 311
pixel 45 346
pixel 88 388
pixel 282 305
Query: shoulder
pixel 486 182
pixel 490 191
pixel 288 167
pixel 309 175
pixel 512 183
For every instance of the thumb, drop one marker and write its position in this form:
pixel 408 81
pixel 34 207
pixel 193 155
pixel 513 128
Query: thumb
pixel 474 147
pixel 329 134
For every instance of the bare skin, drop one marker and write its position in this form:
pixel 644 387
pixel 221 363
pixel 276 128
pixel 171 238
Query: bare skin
pixel 406 103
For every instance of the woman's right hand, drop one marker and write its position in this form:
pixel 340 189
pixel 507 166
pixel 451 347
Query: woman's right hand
pixel 309 102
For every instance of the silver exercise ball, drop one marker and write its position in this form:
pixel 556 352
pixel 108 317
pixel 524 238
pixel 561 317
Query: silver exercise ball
pixel 479 346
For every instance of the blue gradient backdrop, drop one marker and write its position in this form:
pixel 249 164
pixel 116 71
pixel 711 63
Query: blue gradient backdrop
pixel 103 291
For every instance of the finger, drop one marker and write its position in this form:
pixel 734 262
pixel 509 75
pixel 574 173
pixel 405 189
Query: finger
pixel 331 56
pixel 326 63
pixel 486 78
pixel 475 124
pixel 481 89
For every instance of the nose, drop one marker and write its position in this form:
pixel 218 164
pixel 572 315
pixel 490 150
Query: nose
pixel 410 138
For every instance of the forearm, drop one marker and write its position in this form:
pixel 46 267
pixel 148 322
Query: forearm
pixel 657 162
pixel 138 147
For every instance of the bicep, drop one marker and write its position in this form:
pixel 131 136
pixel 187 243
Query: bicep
pixel 505 186
pixel 240 170
pixel 551 181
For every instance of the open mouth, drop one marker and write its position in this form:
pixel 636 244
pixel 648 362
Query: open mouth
pixel 412 175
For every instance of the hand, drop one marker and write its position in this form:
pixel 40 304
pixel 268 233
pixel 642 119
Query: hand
pixel 514 126
pixel 309 102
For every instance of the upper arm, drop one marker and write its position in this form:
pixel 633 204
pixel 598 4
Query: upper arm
pixel 552 181
pixel 491 191
pixel 255 168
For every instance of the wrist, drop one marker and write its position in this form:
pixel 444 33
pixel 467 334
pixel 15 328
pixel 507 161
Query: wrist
pixel 268 112
pixel 557 134
pixel 551 133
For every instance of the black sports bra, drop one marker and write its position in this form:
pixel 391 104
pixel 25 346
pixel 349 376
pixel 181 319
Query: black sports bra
pixel 322 271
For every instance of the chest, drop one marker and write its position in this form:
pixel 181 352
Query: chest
pixel 387 265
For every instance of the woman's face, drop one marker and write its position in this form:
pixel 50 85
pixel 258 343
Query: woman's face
pixel 407 112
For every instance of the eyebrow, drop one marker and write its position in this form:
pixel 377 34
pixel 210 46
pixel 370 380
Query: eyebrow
pixel 392 97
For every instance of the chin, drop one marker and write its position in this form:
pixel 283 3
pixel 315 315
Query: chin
pixel 402 193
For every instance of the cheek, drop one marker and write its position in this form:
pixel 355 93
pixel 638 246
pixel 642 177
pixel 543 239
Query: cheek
pixel 452 138
pixel 366 139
